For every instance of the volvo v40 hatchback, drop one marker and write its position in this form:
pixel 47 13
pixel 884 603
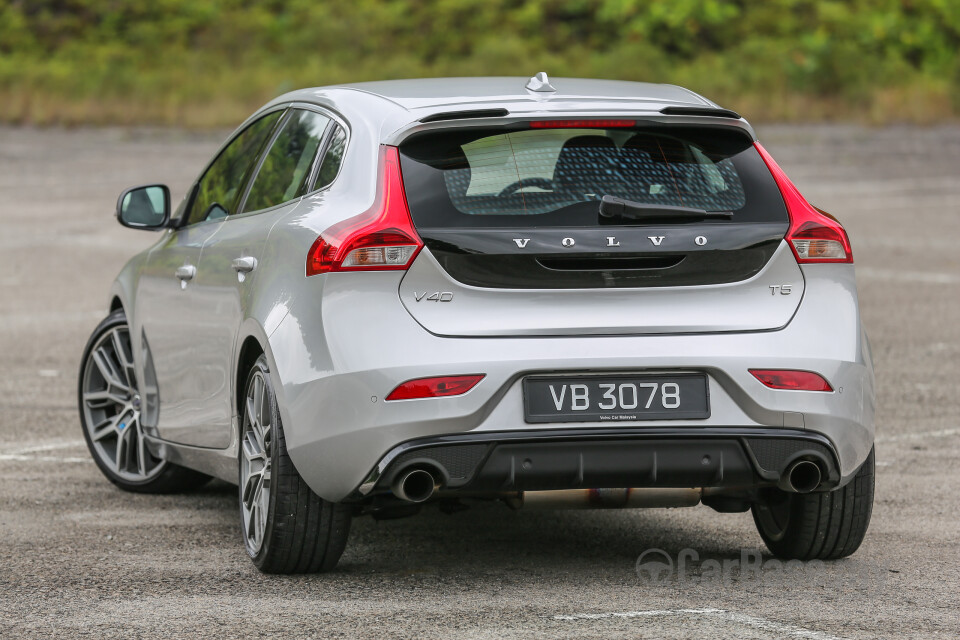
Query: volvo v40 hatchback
pixel 575 293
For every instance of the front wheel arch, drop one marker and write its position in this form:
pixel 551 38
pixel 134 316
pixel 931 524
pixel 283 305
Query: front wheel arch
pixel 118 388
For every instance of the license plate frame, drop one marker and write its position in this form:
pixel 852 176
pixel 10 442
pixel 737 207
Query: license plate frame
pixel 540 400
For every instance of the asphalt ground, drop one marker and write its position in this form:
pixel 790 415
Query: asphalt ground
pixel 79 558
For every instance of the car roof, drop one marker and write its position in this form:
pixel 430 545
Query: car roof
pixel 391 106
pixel 422 93
pixel 413 94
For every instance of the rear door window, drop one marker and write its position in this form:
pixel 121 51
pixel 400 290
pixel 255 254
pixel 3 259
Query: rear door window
pixel 221 186
pixel 285 170
pixel 556 177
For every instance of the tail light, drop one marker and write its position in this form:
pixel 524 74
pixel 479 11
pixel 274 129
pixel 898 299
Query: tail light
pixel 791 380
pixel 434 387
pixel 379 239
pixel 814 235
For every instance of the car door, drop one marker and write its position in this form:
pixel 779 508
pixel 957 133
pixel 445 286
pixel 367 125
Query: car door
pixel 174 320
pixel 230 264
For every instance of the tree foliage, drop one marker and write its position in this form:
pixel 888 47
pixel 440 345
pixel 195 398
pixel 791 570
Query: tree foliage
pixel 210 61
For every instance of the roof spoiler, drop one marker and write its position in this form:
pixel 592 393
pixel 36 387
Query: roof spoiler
pixel 463 115
pixel 716 112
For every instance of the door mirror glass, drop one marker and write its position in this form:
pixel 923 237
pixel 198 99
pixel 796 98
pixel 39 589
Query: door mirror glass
pixel 145 207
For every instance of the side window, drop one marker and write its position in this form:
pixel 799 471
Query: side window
pixel 332 159
pixel 221 186
pixel 286 167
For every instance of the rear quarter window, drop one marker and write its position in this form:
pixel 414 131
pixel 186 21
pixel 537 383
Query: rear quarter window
pixel 333 158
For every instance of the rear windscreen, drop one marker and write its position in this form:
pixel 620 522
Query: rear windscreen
pixel 556 177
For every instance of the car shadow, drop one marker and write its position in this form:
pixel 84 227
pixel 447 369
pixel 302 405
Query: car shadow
pixel 489 537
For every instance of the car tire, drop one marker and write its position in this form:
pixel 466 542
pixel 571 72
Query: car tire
pixel 822 526
pixel 109 402
pixel 286 527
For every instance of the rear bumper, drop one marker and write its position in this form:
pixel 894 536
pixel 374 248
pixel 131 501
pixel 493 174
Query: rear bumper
pixel 341 350
pixel 716 458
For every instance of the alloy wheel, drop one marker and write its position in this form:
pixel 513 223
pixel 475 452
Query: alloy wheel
pixel 255 466
pixel 111 408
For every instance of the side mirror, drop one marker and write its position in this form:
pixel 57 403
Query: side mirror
pixel 146 207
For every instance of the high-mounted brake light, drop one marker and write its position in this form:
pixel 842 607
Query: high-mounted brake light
pixel 379 239
pixel 814 235
pixel 791 380
pixel 581 124
pixel 435 387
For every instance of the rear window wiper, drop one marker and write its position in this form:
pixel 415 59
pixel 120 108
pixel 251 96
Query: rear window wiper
pixel 611 207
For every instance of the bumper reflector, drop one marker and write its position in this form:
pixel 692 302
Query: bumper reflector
pixel 791 380
pixel 435 387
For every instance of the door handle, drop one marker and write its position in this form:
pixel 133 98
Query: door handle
pixel 244 265
pixel 186 272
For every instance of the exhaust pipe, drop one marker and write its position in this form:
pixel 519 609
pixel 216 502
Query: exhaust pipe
pixel 803 476
pixel 605 498
pixel 415 485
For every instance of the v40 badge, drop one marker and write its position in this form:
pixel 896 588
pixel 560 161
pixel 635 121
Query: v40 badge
pixel 436 296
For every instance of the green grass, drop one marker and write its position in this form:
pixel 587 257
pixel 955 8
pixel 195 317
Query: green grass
pixel 209 63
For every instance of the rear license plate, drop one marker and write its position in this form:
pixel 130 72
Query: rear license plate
pixel 616 398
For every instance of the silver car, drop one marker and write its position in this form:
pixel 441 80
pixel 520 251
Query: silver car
pixel 567 293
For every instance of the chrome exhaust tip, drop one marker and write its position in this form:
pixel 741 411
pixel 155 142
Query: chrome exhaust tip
pixel 803 476
pixel 416 485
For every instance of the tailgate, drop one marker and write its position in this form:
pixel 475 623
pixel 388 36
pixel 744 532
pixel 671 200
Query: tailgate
pixel 595 227
pixel 446 307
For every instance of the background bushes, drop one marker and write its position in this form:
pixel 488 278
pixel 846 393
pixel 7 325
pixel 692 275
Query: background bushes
pixel 210 62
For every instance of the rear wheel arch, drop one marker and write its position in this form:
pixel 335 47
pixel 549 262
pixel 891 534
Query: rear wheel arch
pixel 253 341
pixel 247 355
pixel 286 527
pixel 116 304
